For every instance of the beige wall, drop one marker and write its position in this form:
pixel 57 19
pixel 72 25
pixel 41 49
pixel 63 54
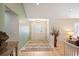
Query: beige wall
pixel 17 8
pixel 2 17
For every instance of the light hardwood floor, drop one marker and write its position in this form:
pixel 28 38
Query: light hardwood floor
pixel 58 51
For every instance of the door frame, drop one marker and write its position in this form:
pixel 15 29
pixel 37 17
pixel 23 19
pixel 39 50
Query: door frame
pixel 47 20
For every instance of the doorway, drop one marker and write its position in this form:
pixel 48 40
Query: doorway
pixel 39 34
pixel 38 30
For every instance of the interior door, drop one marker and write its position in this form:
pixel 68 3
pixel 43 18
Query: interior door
pixel 38 30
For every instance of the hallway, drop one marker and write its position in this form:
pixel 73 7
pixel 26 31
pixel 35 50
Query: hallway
pixel 41 48
pixel 38 44
pixel 36 27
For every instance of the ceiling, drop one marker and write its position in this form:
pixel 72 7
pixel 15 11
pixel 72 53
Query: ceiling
pixel 52 10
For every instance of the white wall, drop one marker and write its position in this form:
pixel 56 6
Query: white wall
pixel 19 10
pixel 52 10
pixel 62 16
pixel 11 25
